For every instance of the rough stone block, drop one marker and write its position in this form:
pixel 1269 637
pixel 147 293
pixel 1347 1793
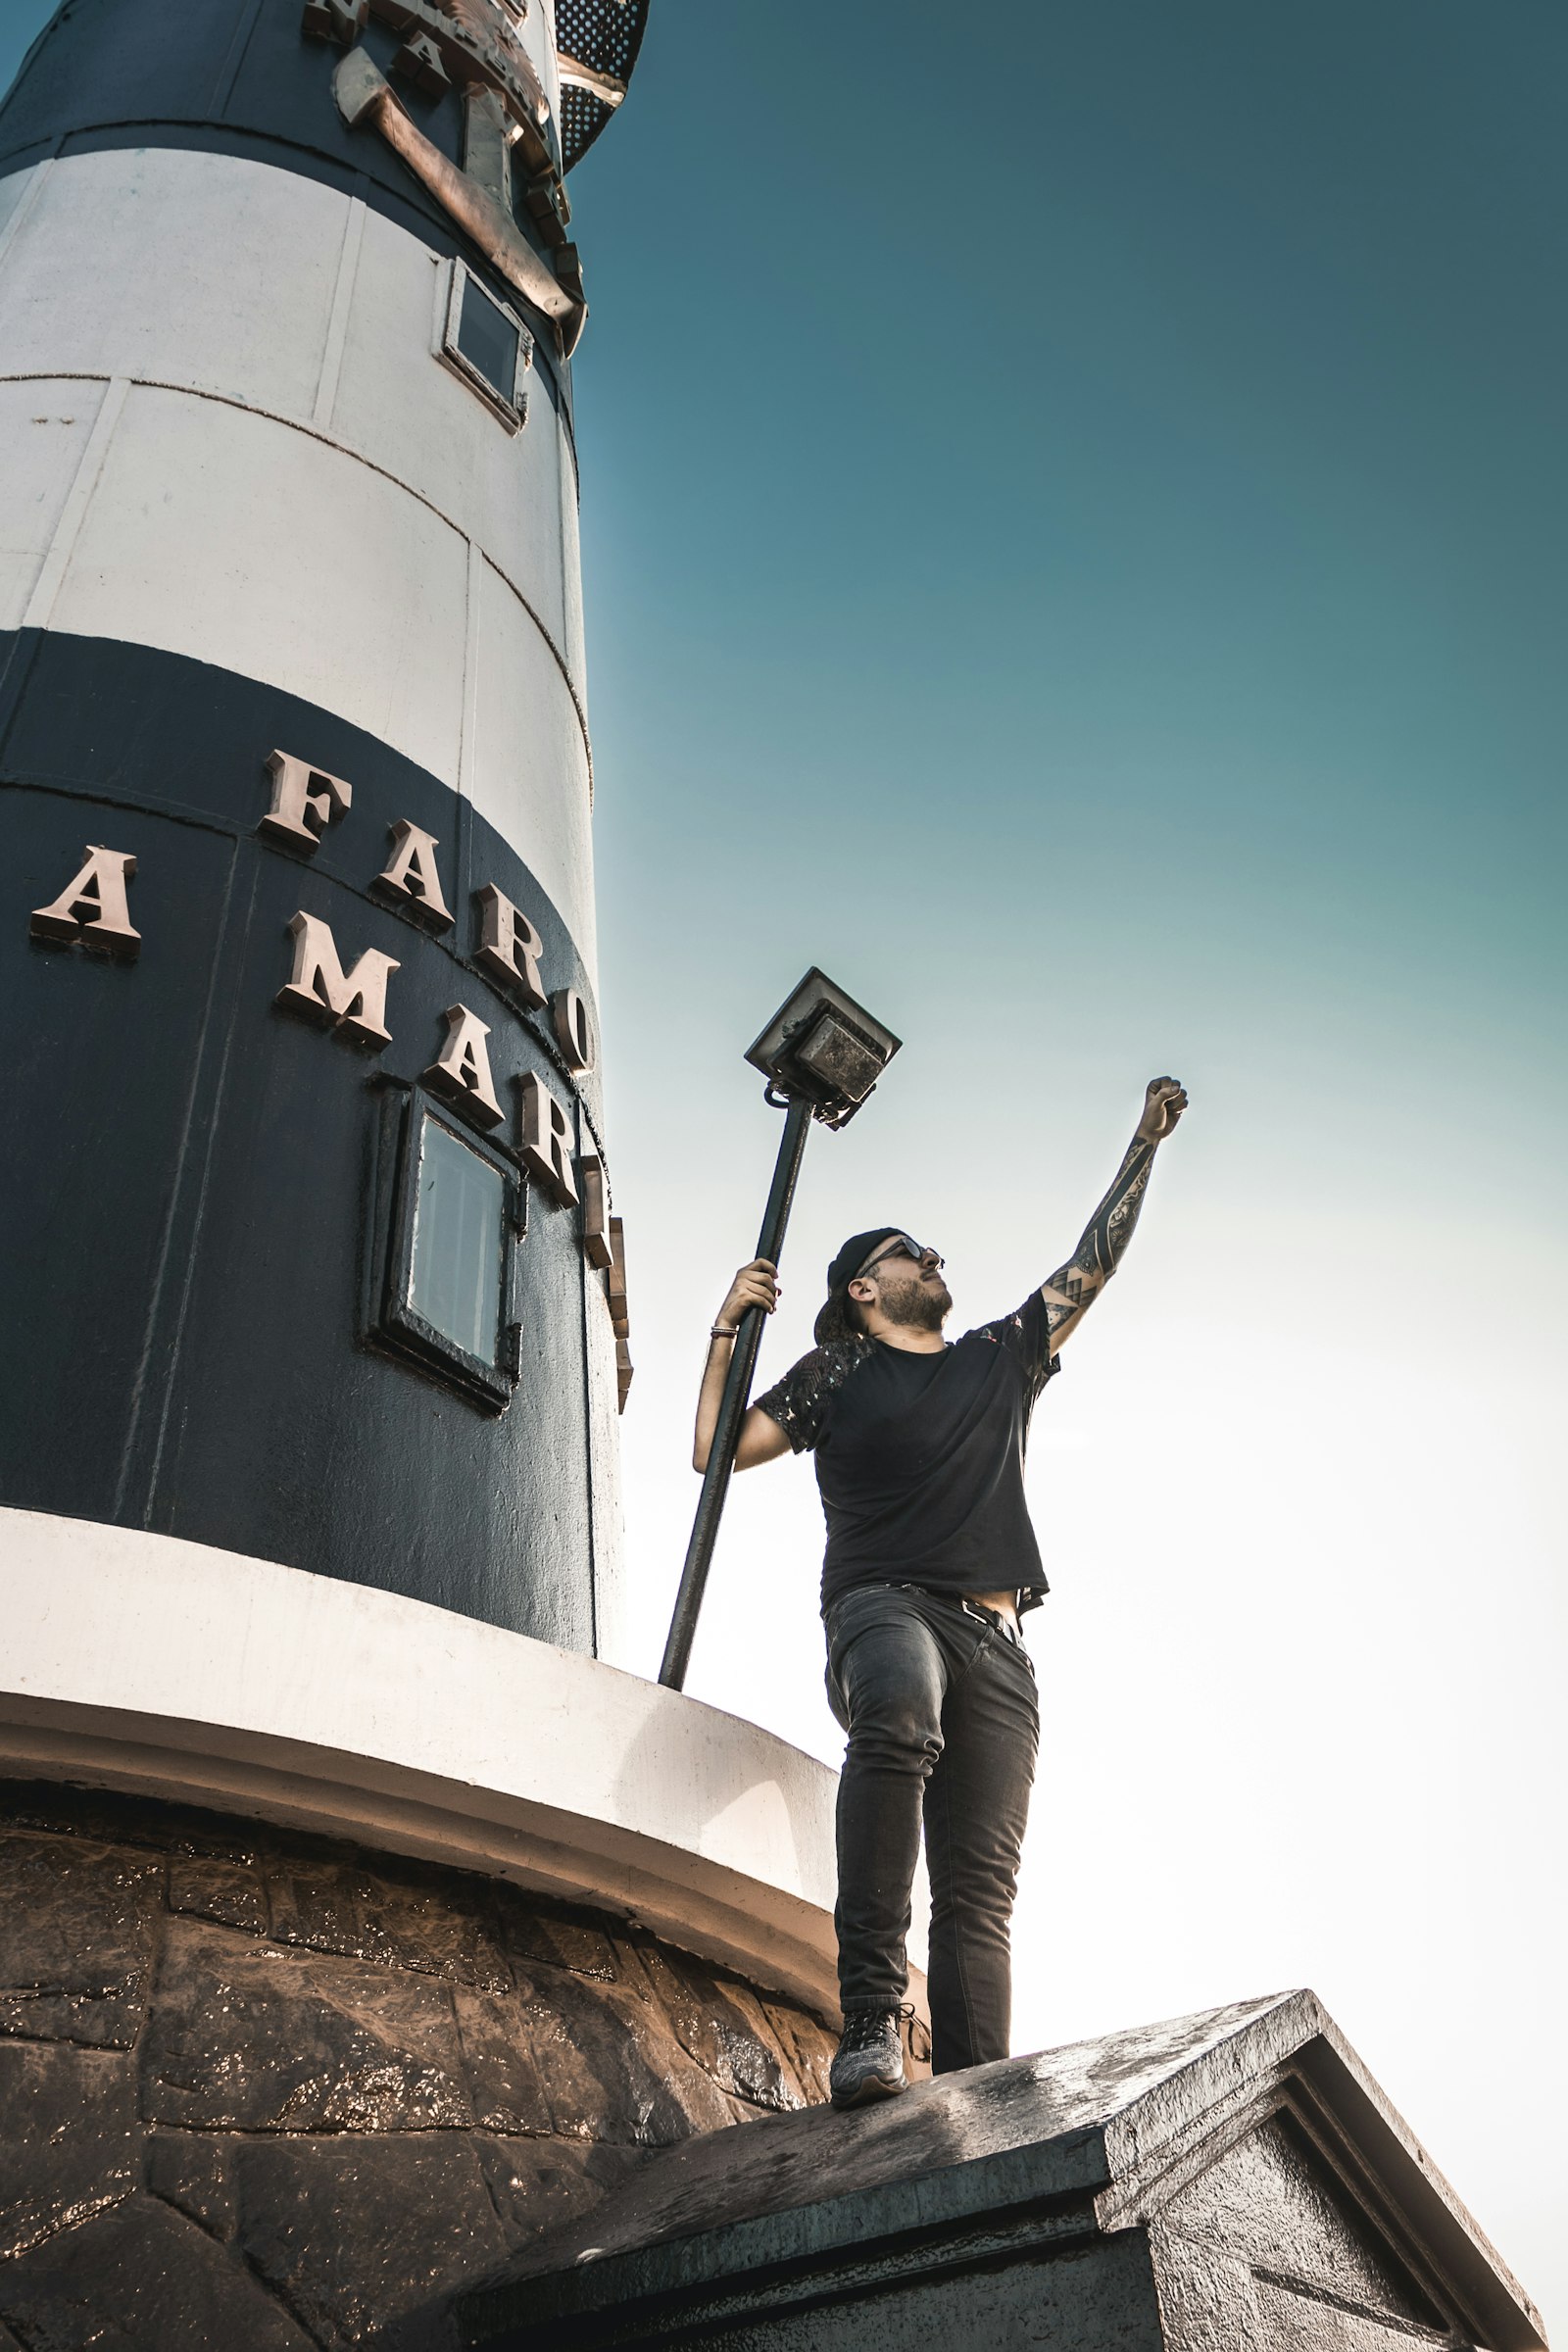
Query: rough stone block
pixel 357 2083
pixel 212 1887
pixel 556 1939
pixel 106 1818
pixel 808 2048
pixel 504 2080
pixel 357 2233
pixel 538 2185
pixel 142 2279
pixel 612 2070
pixel 77 1924
pixel 436 1926
pixel 723 2027
pixel 247 2036
pixel 193 2175
pixel 68 2137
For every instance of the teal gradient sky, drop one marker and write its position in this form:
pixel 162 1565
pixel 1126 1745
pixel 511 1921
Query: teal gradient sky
pixel 1075 527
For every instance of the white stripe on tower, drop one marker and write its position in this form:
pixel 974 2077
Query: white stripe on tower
pixel 332 510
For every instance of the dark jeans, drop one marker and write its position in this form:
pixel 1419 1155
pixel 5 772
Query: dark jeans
pixel 943 1723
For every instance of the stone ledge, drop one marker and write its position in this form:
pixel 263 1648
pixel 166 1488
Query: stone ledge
pixel 148 1664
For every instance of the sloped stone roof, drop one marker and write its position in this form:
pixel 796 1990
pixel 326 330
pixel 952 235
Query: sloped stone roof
pixel 1114 2126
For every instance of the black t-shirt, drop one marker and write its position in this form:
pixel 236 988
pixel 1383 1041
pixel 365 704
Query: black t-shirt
pixel 919 1457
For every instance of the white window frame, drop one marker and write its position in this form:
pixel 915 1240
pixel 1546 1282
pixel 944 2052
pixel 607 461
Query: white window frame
pixel 513 413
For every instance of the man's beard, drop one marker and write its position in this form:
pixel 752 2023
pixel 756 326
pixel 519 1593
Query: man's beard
pixel 914 1303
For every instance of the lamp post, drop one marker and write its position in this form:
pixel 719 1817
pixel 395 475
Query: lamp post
pixel 821 1056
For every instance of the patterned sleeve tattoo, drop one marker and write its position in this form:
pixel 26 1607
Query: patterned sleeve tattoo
pixel 1072 1289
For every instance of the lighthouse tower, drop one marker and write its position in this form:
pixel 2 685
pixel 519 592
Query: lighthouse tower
pixel 306 1168
pixel 357 1919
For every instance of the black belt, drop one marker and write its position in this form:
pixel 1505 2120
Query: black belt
pixel 995 1619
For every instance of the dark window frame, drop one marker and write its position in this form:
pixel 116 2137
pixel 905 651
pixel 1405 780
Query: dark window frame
pixel 394 1326
pixel 512 409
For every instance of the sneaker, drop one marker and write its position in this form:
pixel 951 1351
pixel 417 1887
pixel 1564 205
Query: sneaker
pixel 869 2064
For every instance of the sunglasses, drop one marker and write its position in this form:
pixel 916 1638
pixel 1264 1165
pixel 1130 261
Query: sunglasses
pixel 899 1244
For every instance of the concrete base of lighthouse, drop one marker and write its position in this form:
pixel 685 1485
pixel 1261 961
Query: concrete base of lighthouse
pixel 348 1948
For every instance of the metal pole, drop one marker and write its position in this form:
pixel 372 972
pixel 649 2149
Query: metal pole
pixel 732 1406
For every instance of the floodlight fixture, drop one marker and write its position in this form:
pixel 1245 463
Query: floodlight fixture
pixel 824 1046
pixel 821 1054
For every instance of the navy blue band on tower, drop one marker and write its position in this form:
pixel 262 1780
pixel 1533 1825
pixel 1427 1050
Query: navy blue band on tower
pixel 197 1307
pixel 311 1253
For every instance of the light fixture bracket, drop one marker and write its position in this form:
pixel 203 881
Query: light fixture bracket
pixel 822 1044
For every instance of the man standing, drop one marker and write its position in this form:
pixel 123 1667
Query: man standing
pixel 919 1445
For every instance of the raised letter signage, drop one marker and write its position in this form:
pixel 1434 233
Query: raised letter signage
pixel 92 906
pixel 320 989
pixel 461 1071
pixel 547 1141
pixel 620 1317
pixel 336 19
pixel 574 1030
pixel 595 1230
pixel 509 948
pixel 93 911
pixel 305 801
pixel 410 879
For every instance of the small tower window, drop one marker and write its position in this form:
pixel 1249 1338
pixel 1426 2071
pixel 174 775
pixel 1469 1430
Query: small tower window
pixel 457 1268
pixel 488 346
pixel 443 1275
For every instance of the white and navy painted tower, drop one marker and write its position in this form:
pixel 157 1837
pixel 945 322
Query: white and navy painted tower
pixel 309 1253
pixel 358 1918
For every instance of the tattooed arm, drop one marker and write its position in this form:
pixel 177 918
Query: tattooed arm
pixel 1071 1291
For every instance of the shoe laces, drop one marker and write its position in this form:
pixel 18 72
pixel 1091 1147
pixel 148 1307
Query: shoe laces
pixel 863 2028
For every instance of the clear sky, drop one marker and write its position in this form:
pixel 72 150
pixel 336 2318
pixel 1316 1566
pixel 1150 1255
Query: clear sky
pixel 1074 510
pixel 1074 532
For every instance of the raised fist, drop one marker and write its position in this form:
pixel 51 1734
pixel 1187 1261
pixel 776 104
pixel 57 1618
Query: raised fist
pixel 1164 1101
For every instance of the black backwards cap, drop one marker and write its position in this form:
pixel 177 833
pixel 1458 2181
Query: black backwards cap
pixel 833 1322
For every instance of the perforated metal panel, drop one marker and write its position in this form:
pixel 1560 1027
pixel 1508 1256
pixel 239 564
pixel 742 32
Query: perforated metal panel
pixel 605 36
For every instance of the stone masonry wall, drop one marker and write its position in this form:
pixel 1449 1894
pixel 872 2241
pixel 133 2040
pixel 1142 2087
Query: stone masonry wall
pixel 260 2093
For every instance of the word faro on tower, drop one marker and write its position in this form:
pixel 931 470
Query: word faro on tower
pixel 304 1174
